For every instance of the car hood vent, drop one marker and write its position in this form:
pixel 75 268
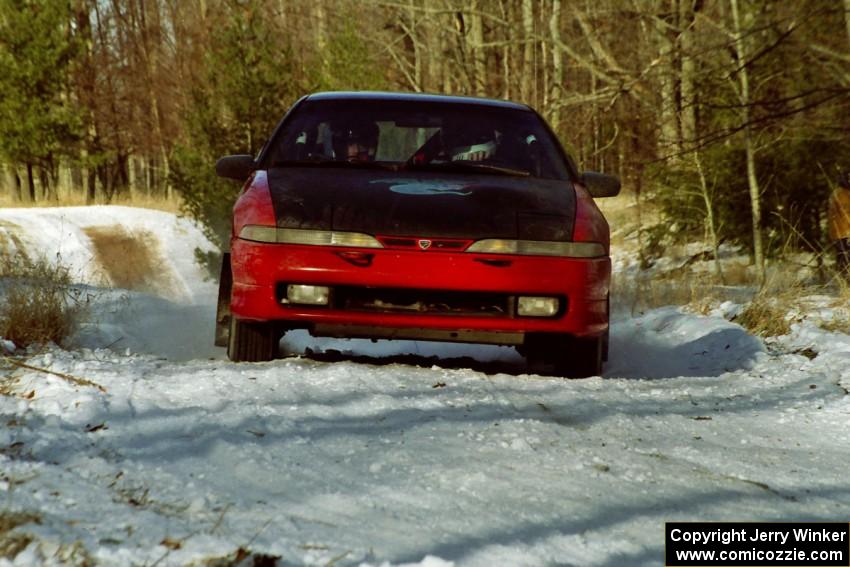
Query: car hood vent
pixel 432 205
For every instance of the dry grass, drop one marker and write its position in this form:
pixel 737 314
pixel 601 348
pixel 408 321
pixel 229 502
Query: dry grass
pixel 769 313
pixel 790 295
pixel 11 544
pixel 37 303
pixel 766 316
pixel 700 291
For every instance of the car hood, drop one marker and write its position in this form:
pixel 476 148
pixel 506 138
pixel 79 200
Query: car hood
pixel 422 203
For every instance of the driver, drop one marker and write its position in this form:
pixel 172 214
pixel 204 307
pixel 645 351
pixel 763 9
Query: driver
pixel 355 140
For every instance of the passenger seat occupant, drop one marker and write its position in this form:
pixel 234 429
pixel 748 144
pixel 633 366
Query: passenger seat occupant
pixel 839 223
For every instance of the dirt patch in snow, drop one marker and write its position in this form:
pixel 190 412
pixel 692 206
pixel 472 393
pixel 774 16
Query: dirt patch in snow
pixel 132 260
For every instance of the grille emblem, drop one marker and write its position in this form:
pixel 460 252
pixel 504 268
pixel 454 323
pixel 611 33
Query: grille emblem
pixel 424 244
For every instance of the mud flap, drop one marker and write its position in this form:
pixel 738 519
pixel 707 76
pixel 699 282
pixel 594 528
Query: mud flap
pixel 222 313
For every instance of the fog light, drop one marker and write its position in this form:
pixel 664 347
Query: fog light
pixel 307 294
pixel 537 306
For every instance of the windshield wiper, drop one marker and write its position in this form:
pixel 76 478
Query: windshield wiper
pixel 467 167
pixel 327 162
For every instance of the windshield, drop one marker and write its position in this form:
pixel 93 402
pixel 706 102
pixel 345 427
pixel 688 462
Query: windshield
pixel 410 135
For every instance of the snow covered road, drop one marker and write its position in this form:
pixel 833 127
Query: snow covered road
pixel 362 462
pixel 312 461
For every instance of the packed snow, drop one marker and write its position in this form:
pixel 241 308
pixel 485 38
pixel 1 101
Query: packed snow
pixel 142 445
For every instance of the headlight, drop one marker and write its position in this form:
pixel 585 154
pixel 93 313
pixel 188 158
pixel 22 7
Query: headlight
pixel 538 248
pixel 307 294
pixel 537 306
pixel 309 237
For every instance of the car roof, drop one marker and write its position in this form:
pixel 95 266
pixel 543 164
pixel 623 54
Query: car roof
pixel 416 97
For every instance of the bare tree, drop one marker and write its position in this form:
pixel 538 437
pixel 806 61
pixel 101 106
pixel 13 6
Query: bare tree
pixel 557 65
pixel 742 56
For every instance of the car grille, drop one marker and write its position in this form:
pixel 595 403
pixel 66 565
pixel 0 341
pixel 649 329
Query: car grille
pixel 389 300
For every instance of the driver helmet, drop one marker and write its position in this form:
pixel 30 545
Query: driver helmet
pixel 355 140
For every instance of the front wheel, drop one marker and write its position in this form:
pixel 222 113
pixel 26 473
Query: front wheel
pixel 566 355
pixel 251 342
pixel 582 358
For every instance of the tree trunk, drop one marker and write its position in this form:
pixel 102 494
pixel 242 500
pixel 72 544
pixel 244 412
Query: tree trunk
pixel 131 177
pixel 445 65
pixel 506 52
pixel 112 122
pixel 52 174
pixel 18 194
pixel 545 73
pixel 415 43
pixel 557 66
pixel 709 217
pixel 476 33
pixel 687 103
pixel 10 181
pixel 106 186
pixel 46 190
pixel 320 15
pixel 91 186
pixel 121 179
pixel 150 59
pixel 527 72
pixel 31 183
pixel 65 180
pixel 150 176
pixel 668 140
pixel 433 74
pixel 749 146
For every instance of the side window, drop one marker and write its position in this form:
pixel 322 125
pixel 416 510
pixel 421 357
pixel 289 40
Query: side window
pixel 311 141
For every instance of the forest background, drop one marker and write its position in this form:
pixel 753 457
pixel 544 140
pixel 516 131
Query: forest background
pixel 730 118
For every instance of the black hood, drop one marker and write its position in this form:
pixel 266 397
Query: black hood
pixel 422 204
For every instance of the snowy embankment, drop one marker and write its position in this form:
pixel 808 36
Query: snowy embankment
pixel 146 291
pixel 364 460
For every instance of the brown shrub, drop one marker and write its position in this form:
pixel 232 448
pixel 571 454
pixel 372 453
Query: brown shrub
pixel 765 316
pixel 37 303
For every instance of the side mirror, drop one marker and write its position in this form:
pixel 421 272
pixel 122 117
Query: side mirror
pixel 600 184
pixel 237 167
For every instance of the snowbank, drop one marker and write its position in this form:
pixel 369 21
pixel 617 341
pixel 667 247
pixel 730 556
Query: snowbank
pixel 64 234
pixel 166 305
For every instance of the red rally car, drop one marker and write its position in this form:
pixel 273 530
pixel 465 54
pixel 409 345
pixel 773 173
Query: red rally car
pixel 409 216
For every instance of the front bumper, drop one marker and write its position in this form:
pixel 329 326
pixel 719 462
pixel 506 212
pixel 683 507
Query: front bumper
pixel 260 269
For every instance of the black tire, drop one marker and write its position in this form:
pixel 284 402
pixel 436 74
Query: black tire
pixel 222 312
pixel 565 355
pixel 582 358
pixel 606 340
pixel 251 342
